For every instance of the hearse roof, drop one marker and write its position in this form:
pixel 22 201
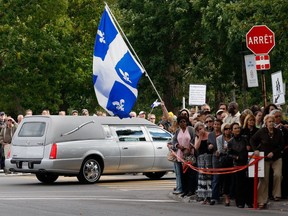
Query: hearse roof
pixel 71 128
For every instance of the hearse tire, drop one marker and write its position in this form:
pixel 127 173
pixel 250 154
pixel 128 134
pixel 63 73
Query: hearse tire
pixel 47 178
pixel 155 175
pixel 90 171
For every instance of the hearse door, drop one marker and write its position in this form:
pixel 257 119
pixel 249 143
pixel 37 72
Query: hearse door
pixel 160 138
pixel 137 153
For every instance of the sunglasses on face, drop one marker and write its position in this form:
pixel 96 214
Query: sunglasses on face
pixel 227 129
pixel 208 121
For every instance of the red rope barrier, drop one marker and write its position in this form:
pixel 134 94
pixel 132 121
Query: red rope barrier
pixel 229 170
pixel 216 171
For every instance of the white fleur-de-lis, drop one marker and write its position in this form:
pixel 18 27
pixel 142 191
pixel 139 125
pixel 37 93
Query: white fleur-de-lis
pixel 125 75
pixel 119 105
pixel 102 36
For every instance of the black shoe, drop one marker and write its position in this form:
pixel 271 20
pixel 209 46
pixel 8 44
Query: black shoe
pixel 200 199
pixel 176 192
pixel 250 206
pixel 190 194
pixel 212 202
pixel 240 206
pixel 227 204
pixel 206 201
pixel 184 194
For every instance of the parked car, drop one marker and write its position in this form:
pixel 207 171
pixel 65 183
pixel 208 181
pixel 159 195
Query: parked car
pixel 88 147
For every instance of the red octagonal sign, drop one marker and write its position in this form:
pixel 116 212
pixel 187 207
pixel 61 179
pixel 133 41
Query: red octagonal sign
pixel 260 39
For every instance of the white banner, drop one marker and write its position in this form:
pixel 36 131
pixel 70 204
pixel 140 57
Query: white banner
pixel 197 94
pixel 251 169
pixel 278 88
pixel 251 72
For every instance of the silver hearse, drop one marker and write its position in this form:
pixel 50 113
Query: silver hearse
pixel 87 147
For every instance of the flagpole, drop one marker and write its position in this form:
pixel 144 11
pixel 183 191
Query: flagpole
pixel 133 51
pixel 151 110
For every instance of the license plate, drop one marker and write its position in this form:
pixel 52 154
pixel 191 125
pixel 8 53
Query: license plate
pixel 25 165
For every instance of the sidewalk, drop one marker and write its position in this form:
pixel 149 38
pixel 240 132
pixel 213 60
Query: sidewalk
pixel 281 205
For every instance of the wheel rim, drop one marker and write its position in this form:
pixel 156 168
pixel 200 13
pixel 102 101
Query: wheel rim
pixel 91 170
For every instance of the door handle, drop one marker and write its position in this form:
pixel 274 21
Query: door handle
pixel 124 148
pixel 159 147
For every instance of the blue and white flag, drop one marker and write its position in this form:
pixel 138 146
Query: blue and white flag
pixel 155 104
pixel 115 71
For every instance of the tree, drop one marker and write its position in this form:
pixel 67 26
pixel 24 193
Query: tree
pixel 163 34
pixel 47 55
pixel 182 42
pixel 47 46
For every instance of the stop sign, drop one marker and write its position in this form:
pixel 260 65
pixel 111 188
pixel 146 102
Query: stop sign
pixel 260 39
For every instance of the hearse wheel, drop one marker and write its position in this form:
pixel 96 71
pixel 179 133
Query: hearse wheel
pixel 154 175
pixel 90 171
pixel 47 178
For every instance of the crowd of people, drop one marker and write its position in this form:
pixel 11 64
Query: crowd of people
pixel 224 140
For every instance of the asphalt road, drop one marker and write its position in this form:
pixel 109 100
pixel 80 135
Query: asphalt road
pixel 117 195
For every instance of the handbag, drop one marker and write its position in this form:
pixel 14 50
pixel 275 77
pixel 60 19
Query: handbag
pixel 189 156
pixel 171 157
pixel 190 159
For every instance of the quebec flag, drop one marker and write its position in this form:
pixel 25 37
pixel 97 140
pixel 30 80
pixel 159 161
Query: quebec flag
pixel 155 104
pixel 115 71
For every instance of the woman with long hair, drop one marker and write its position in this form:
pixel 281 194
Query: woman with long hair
pixel 215 159
pixel 258 119
pixel 222 148
pixel 237 149
pixel 204 160
pixel 249 127
pixel 248 130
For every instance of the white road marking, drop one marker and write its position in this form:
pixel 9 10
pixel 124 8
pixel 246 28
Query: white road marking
pixel 85 198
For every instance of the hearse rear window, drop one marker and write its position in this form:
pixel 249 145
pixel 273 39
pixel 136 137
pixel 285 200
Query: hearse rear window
pixel 32 129
pixel 130 134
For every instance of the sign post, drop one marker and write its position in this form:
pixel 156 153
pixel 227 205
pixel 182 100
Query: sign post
pixel 261 40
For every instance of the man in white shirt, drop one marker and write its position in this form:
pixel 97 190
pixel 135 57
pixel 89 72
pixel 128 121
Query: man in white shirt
pixel 234 114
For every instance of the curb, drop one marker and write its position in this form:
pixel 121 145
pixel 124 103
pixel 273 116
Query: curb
pixel 2 173
pixel 281 205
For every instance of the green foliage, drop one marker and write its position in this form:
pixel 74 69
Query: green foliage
pixel 47 54
pixel 205 42
pixel 47 46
